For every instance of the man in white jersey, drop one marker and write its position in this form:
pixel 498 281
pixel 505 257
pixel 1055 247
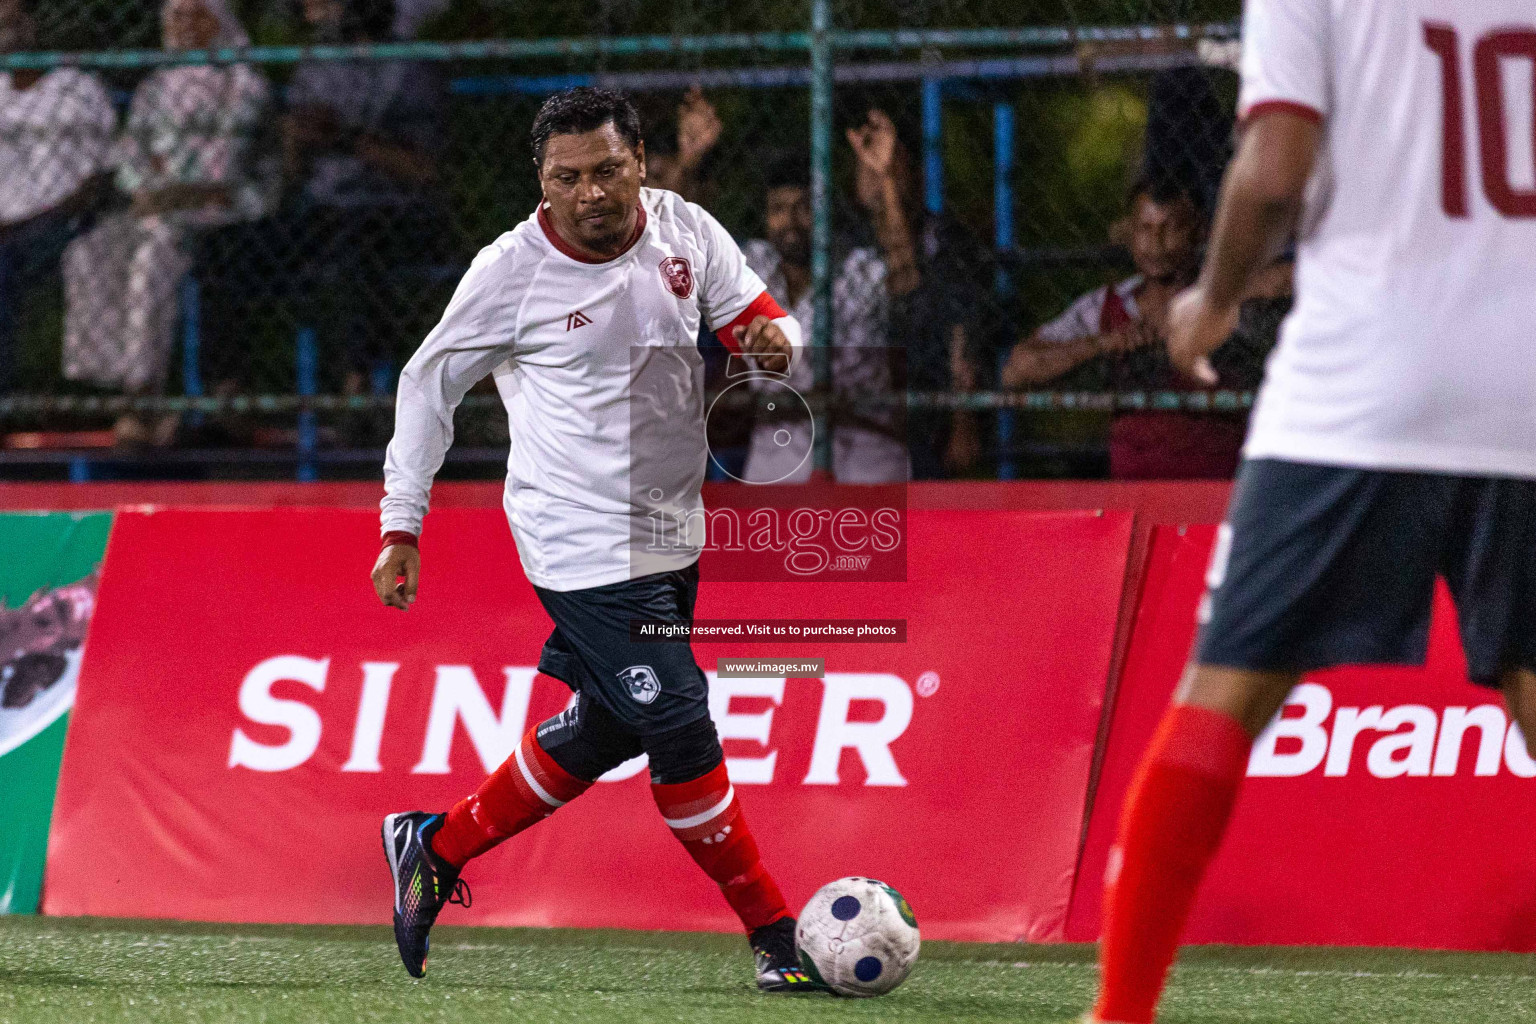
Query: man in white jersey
pixel 587 315
pixel 1395 436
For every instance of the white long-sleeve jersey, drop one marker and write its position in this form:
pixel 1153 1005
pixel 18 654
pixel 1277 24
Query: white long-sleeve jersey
pixel 598 365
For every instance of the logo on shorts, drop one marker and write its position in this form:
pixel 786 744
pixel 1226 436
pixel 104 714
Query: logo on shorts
pixel 641 682
pixel 678 275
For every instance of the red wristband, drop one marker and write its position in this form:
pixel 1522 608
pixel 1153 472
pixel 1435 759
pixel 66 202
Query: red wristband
pixel 763 305
pixel 398 537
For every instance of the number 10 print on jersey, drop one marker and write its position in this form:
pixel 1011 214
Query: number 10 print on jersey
pixel 1491 55
pixel 1409 347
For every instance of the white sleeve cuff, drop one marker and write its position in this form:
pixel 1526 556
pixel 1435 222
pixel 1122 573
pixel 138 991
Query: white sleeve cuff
pixel 791 328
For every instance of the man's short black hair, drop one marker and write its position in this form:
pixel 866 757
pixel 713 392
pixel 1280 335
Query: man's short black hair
pixel 584 109
pixel 1162 189
pixel 788 170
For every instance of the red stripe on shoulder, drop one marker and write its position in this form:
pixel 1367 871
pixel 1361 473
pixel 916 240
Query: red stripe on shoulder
pixel 763 305
pixel 1263 107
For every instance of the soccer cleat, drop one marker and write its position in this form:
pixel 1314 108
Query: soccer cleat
pixel 424 882
pixel 778 962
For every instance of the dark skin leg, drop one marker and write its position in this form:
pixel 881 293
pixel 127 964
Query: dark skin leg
pixel 1253 698
pixel 1519 687
pixel 1250 697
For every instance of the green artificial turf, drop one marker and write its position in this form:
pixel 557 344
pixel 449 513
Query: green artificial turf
pixel 78 971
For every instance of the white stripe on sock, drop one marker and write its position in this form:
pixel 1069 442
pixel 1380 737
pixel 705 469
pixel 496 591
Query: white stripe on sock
pixel 678 824
pixel 533 783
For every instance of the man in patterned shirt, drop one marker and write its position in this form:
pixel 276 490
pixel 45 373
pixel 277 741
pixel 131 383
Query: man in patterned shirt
pixel 867 443
pixel 55 130
pixel 1119 330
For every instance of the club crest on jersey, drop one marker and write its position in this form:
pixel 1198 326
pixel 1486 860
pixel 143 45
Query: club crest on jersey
pixel 678 273
pixel 641 682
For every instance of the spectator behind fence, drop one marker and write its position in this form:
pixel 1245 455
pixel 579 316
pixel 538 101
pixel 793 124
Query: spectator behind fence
pixel 187 159
pixel 361 139
pixel 698 130
pixel 939 324
pixel 55 130
pixel 1117 332
pixel 867 443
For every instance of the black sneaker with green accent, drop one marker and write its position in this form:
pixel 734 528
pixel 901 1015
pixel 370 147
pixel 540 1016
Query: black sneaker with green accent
pixel 778 961
pixel 424 883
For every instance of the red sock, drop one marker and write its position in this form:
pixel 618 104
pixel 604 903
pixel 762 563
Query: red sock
pixel 1173 820
pixel 707 820
pixel 526 789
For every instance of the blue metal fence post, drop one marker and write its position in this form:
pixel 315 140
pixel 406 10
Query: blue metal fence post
pixel 191 343
pixel 933 145
pixel 821 219
pixel 1002 242
pixel 381 378
pixel 308 373
pixel 191 338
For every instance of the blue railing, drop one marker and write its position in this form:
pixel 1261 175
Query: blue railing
pixel 838 40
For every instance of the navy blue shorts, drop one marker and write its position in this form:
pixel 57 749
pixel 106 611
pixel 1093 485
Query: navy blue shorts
pixel 650 688
pixel 1319 566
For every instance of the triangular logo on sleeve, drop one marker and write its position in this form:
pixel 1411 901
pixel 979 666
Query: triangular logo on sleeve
pixel 577 319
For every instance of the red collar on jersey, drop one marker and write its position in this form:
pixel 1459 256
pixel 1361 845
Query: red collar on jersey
pixel 569 250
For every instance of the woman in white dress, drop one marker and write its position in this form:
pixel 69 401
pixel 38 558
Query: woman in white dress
pixel 187 161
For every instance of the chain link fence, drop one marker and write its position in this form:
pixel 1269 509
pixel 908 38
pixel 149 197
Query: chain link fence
pixel 229 222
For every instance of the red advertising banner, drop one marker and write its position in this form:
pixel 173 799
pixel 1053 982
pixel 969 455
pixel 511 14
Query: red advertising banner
pixel 247 713
pixel 1388 806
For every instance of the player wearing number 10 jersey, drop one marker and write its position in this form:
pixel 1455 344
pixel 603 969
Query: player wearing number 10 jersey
pixel 1395 435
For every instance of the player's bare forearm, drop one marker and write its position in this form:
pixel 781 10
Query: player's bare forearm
pixel 1259 200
